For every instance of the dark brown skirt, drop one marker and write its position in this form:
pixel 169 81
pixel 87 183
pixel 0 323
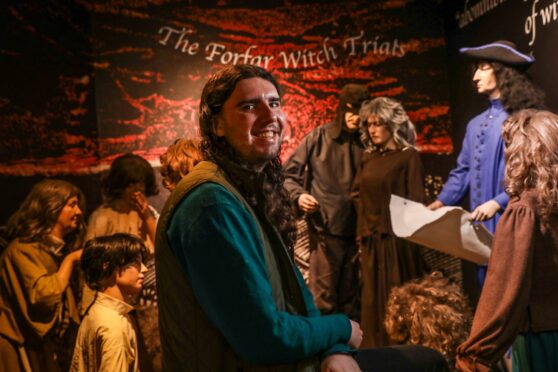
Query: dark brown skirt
pixel 385 262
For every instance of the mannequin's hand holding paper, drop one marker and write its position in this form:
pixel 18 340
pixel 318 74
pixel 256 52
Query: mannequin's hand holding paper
pixel 446 229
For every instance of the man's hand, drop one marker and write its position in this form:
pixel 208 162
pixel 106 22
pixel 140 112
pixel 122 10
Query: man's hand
pixel 356 335
pixel 435 205
pixel 308 204
pixel 485 211
pixel 339 363
pixel 141 205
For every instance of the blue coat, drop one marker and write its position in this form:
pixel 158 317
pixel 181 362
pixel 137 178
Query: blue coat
pixel 480 164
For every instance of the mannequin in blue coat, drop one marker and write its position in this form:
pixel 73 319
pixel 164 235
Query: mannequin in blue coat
pixel 500 76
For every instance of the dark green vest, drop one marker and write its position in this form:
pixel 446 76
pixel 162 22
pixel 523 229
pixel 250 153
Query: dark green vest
pixel 189 340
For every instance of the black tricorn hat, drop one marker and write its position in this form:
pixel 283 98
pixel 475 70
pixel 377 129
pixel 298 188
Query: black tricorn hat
pixel 499 51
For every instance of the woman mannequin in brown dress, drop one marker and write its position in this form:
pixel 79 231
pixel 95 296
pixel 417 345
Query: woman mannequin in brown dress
pixel 518 302
pixel 391 165
pixel 38 312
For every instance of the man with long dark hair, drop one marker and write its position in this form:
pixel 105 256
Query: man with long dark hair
pixel 230 297
pixel 500 76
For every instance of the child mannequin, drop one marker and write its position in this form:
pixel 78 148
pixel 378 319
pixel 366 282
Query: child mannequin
pixel 113 267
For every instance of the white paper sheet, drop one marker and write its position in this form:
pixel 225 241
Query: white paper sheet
pixel 446 229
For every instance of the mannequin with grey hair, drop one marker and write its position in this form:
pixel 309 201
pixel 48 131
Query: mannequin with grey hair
pixel 391 165
pixel 393 116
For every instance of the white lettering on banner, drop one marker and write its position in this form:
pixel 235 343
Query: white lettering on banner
pixel 233 58
pixel 306 57
pixel 323 53
pixel 547 15
pixel 354 44
pixel 181 43
pixel 471 13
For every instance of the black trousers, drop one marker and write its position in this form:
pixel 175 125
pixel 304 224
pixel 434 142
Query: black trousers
pixel 404 358
pixel 333 273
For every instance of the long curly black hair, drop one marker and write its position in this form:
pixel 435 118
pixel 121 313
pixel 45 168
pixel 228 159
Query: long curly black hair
pixel 276 203
pixel 517 91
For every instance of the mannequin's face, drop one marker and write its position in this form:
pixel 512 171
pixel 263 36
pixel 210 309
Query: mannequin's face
pixel 69 218
pixel 380 134
pixel 485 80
pixel 128 193
pixel 130 278
pixel 352 120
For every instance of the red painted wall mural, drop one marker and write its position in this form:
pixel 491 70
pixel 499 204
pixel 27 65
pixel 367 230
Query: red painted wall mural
pixel 85 81
pixel 93 80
